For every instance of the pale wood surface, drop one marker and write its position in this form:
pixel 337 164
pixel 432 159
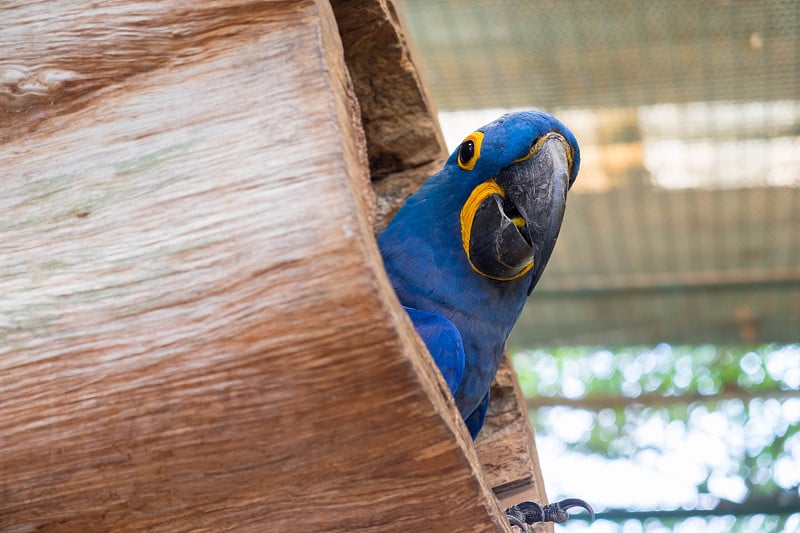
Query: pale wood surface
pixel 197 333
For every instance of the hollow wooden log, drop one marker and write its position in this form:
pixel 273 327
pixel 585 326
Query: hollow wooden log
pixel 196 331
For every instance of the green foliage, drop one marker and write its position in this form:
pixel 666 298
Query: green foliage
pixel 666 370
pixel 743 404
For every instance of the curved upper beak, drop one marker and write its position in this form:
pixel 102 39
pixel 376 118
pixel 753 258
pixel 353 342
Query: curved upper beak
pixel 515 230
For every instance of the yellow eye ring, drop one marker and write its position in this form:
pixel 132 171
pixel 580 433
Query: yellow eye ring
pixel 470 150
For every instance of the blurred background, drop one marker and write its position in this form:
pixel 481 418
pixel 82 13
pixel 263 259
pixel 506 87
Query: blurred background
pixel 661 351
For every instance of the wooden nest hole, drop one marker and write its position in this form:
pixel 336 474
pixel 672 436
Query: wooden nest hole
pixel 197 332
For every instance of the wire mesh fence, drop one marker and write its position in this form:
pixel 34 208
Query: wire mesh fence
pixel 684 225
pixel 610 53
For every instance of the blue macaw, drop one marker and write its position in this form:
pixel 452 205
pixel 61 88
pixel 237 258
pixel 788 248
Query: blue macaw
pixel 466 250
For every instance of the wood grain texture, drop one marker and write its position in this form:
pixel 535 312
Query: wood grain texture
pixel 404 141
pixel 196 332
pixel 506 445
pixel 405 147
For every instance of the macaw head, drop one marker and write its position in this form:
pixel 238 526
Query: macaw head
pixel 491 216
pixel 517 171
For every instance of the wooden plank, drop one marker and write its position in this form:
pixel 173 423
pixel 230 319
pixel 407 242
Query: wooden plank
pixel 196 329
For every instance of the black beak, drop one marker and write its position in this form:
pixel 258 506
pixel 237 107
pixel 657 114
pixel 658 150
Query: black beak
pixel 514 231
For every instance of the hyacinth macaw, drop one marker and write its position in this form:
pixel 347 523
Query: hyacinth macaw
pixel 466 250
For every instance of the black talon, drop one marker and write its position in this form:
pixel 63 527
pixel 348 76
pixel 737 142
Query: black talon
pixel 524 513
pixel 531 512
pixel 516 518
pixel 514 521
pixel 557 512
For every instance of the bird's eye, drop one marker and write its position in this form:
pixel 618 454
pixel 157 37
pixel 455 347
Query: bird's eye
pixel 470 150
pixel 466 151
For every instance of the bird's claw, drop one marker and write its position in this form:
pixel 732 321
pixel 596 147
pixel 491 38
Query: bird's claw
pixel 526 513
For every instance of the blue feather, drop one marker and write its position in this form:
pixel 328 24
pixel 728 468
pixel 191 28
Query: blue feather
pixel 443 342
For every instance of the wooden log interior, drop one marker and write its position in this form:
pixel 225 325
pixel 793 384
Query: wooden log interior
pixel 404 142
pixel 195 328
